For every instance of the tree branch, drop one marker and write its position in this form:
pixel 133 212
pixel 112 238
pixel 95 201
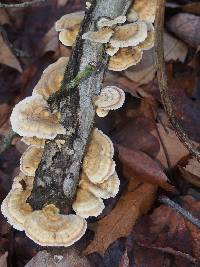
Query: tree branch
pixel 57 176
pixel 162 82
pixel 20 5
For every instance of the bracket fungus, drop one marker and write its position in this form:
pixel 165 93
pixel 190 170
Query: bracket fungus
pixel 146 9
pixel 106 22
pixel 33 141
pixel 32 118
pixel 111 51
pixel 14 207
pixel 125 58
pixel 148 43
pixel 47 227
pixel 86 204
pixel 68 26
pixel 110 98
pixel 51 78
pixel 30 160
pixel 102 36
pixel 98 163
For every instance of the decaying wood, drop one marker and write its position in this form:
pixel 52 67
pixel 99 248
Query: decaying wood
pixel 162 82
pixel 58 173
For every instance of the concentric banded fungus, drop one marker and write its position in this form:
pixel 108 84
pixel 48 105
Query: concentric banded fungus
pixel 30 160
pixel 47 227
pixel 111 51
pixel 102 36
pixel 68 26
pixel 98 164
pixel 132 16
pixel 52 76
pixel 125 58
pixel 110 98
pixel 106 22
pixel 105 190
pixel 33 141
pixel 146 9
pixel 148 43
pixel 32 117
pixel 86 204
pixel 14 206
pixel 129 34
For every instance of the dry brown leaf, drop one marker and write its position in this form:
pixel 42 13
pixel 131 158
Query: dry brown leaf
pixel 49 42
pixel 138 164
pixel 61 3
pixel 191 172
pixel 174 148
pixel 3 259
pixel 120 221
pixel 7 57
pixel 71 258
pixel 193 8
pixel 174 48
pixel 4 18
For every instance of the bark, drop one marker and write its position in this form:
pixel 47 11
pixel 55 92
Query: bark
pixel 58 173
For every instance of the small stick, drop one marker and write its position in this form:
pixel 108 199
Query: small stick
pixel 175 206
pixel 21 5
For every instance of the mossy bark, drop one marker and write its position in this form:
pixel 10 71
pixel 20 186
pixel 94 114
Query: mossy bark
pixel 57 176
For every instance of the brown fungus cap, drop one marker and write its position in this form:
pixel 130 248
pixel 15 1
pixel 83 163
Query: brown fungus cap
pixel 146 9
pixel 129 34
pixel 47 227
pixel 148 43
pixel 111 51
pixel 105 190
pixel 102 36
pixel 33 141
pixel 68 37
pixel 98 164
pixel 14 207
pixel 110 98
pixel 51 78
pixel 86 204
pixel 125 58
pixel 32 117
pixel 30 160
pixel 106 22
pixel 70 20
pixel 132 16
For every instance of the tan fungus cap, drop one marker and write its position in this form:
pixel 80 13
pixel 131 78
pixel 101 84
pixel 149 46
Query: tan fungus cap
pixel 33 141
pixel 106 22
pixel 30 160
pixel 32 117
pixel 129 34
pixel 146 9
pixel 51 78
pixel 132 16
pixel 111 51
pixel 86 204
pixel 148 43
pixel 102 36
pixel 69 21
pixel 125 58
pixel 47 227
pixel 68 37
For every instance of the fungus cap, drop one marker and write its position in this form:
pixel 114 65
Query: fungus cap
pixel 15 208
pixel 86 204
pixel 132 16
pixel 129 34
pixel 98 164
pixel 107 189
pixel 69 21
pixel 101 112
pixel 148 43
pixel 68 37
pixel 111 51
pixel 47 227
pixel 102 36
pixel 125 58
pixel 32 118
pixel 33 141
pixel 51 78
pixel 30 160
pixel 110 98
pixel 106 22
pixel 23 181
pixel 146 9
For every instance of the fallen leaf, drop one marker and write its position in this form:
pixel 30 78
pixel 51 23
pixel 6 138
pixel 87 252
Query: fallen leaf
pixel 191 172
pixel 174 149
pixel 7 57
pixel 4 18
pixel 3 259
pixel 61 3
pixel 168 232
pixel 136 163
pixel 193 8
pixel 50 42
pixel 135 202
pixel 71 258
pixel 186 27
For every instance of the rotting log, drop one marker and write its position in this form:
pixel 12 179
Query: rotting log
pixel 57 175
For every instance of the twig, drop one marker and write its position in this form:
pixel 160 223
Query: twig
pixel 21 5
pixel 162 82
pixel 186 214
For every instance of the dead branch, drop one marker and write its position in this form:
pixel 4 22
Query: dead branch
pixel 21 5
pixel 162 82
pixel 58 173
pixel 186 214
